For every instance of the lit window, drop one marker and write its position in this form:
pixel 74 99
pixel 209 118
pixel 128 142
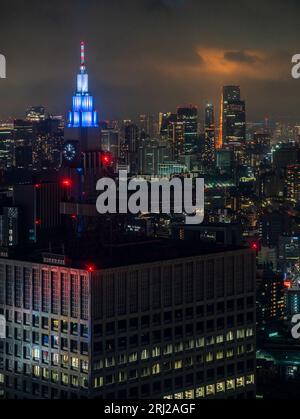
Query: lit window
pixel 240 382
pixel 219 339
pixel 230 385
pixel 178 347
pixel 45 373
pixel 178 364
pixel 109 362
pixel 74 381
pixel 36 371
pixel 54 376
pixel 155 369
pixel 220 355
pixel 65 379
pixel 98 382
pixel 168 349
pixel 210 390
pixel 221 387
pixel 74 363
pixel 84 366
pixel 210 341
pixel 36 354
pixel 241 349
pixel 240 334
pixel 230 353
pixel 145 354
pixel 200 392
pixel 209 357
pixel 155 352
pixel 250 379
pixel 230 336
pixel 178 396
pixel 133 357
pixel 249 333
pixel 189 394
pixel 200 343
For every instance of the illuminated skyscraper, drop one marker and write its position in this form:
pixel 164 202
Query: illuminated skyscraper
pixel 83 116
pixel 36 114
pixel 209 141
pixel 188 116
pixel 232 117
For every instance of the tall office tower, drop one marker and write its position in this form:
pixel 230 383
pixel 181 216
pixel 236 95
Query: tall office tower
pixel 152 321
pixel 83 125
pixel 131 136
pixel 7 145
pixel 270 297
pixel 292 183
pixel 168 134
pixel 10 226
pixel 35 114
pixel 210 134
pixel 110 141
pixel 232 118
pixel 188 116
pixel 39 204
pixel 131 146
pixel 286 155
pixel 148 126
pixel 148 156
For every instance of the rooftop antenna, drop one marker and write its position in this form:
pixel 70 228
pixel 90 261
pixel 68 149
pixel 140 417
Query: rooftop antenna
pixel 82 57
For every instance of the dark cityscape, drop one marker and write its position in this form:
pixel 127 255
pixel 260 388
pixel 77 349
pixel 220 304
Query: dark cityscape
pixel 130 301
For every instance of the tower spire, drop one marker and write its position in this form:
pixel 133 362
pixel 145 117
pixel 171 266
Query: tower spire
pixel 82 56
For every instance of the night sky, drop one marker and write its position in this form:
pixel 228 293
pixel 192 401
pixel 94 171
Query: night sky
pixel 150 55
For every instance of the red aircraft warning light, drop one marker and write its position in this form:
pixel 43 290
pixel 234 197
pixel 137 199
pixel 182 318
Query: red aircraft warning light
pixel 106 159
pixel 90 268
pixel 66 183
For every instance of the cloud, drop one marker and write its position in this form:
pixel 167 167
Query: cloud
pixel 240 57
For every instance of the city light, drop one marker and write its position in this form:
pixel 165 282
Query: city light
pixel 66 183
pixel 106 159
pixel 91 268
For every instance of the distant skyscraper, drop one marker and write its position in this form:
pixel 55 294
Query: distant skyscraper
pixel 189 117
pixel 84 117
pixel 147 126
pixel 36 114
pixel 232 117
pixel 209 140
pixel 110 141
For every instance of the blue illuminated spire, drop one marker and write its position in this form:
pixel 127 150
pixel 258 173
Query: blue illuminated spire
pixel 83 113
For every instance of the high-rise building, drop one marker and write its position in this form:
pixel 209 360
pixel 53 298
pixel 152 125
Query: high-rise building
pixel 292 182
pixel 150 321
pixel 36 114
pixel 40 208
pixel 188 117
pixel 232 118
pixel 7 144
pixel 83 123
pixel 110 141
pixel 148 126
pixel 210 134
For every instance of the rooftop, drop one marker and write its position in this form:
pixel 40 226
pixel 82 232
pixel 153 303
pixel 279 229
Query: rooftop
pixel 125 254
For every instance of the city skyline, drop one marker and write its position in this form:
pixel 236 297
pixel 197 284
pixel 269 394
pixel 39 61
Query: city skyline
pixel 138 68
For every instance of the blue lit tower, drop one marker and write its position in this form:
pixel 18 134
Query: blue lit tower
pixel 83 121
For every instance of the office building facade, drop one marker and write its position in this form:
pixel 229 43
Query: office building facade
pixel 180 328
